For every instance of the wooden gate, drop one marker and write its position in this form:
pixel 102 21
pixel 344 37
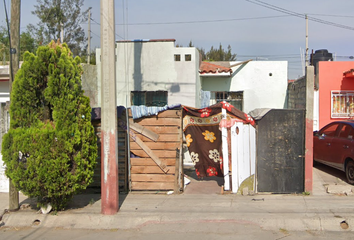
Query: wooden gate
pixel 156 145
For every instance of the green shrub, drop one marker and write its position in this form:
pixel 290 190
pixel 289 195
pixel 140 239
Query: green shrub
pixel 50 150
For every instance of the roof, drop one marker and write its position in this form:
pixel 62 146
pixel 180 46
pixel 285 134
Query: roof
pixel 147 40
pixel 207 67
pixel 349 73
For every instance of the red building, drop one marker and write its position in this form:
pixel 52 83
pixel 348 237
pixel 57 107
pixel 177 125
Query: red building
pixel 335 96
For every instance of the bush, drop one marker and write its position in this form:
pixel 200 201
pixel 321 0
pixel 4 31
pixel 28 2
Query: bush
pixel 50 150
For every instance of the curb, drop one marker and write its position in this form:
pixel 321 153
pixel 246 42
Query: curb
pixel 127 220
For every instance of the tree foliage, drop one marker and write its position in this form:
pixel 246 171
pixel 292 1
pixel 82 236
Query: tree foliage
pixel 50 150
pixel 27 43
pixel 57 14
pixel 218 54
pixel 215 54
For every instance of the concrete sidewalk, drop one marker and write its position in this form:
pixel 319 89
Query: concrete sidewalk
pixel 271 212
pixel 320 211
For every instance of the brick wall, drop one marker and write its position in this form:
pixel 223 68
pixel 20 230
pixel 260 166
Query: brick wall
pixel 297 94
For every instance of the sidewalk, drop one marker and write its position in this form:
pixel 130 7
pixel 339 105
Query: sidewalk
pixel 271 212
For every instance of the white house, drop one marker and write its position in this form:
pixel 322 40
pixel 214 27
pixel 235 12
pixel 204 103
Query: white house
pixel 154 72
pixel 4 96
pixel 247 85
pixel 4 83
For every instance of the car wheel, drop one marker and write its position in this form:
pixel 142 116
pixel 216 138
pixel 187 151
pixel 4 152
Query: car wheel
pixel 349 172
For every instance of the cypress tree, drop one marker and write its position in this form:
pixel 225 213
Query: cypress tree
pixel 50 150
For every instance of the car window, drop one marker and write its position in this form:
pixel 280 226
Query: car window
pixel 330 130
pixel 346 132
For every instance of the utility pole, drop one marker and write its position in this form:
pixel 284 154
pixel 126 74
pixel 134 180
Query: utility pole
pixel 109 147
pixel 15 52
pixel 89 38
pixel 307 42
pixel 61 32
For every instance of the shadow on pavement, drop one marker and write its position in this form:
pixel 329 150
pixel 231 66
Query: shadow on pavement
pixel 331 171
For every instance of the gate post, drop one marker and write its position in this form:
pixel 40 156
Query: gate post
pixel 309 128
pixel 109 147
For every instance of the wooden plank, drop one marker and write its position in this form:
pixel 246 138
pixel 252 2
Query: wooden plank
pixel 152 178
pixel 164 129
pixel 158 153
pixel 170 114
pixel 162 138
pixel 150 162
pixel 164 114
pixel 253 150
pixel 179 175
pixel 151 154
pixel 234 157
pixel 152 185
pixel 142 130
pixel 151 169
pixel 160 122
pixel 225 154
pixel 156 145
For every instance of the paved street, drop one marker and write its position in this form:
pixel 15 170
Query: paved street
pixel 196 215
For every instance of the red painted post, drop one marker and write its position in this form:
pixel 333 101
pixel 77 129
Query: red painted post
pixel 109 147
pixel 309 128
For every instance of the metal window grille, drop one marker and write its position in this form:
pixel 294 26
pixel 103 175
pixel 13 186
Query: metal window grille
pixel 342 104
pixel 234 98
pixel 149 98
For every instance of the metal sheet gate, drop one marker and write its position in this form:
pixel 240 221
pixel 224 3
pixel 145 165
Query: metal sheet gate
pixel 280 151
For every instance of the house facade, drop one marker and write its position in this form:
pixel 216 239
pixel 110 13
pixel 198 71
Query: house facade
pixel 4 97
pixel 154 72
pixel 334 95
pixel 4 83
pixel 246 85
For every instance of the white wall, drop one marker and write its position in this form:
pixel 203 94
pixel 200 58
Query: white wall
pixel 187 75
pixel 4 181
pixel 4 91
pixel 264 84
pixel 150 66
pixel 4 96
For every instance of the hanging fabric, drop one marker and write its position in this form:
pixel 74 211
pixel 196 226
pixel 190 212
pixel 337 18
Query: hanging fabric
pixel 203 136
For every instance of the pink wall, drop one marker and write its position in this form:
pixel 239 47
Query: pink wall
pixel 331 78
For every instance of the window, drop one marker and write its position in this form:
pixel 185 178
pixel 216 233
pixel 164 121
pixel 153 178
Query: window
pixel 330 131
pixel 177 57
pixel 342 104
pixel 188 57
pixel 234 98
pixel 149 98
pixel 346 131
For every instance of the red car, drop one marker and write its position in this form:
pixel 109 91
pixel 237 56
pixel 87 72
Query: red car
pixel 333 145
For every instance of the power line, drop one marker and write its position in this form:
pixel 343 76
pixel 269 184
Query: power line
pixel 300 15
pixel 330 15
pixel 208 21
pixel 100 24
pixel 200 21
pixel 94 34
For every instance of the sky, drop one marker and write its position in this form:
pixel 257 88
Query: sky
pixel 262 30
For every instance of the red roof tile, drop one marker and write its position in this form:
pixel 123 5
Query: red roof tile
pixel 349 73
pixel 207 67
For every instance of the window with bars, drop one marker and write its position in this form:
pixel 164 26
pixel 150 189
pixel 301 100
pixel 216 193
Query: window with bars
pixel 149 98
pixel 342 104
pixel 234 98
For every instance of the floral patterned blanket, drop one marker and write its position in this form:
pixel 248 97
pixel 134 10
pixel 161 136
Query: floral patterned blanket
pixel 203 136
